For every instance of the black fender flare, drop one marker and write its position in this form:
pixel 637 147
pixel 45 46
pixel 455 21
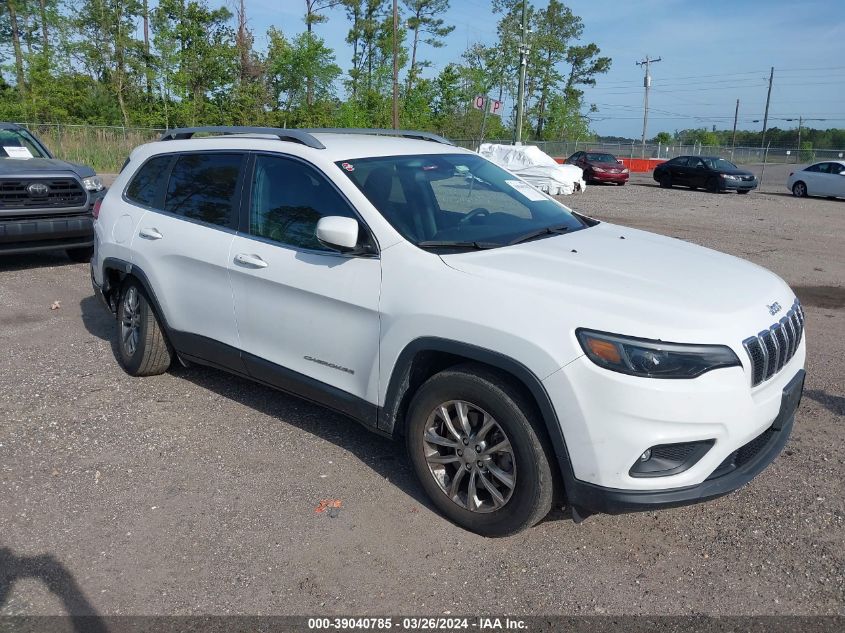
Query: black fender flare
pixel 127 269
pixel 400 380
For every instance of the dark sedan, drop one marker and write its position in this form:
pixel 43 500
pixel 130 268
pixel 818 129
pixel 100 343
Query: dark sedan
pixel 705 172
pixel 600 167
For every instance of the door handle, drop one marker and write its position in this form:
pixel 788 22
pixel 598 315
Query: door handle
pixel 150 234
pixel 252 261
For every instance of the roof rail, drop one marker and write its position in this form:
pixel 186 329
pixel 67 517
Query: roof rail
pixel 305 137
pixel 423 136
pixel 296 136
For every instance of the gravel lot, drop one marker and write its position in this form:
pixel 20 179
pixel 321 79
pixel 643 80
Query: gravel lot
pixel 194 492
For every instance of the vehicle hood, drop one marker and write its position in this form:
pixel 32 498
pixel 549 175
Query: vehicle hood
pixel 21 166
pixel 618 279
pixel 736 172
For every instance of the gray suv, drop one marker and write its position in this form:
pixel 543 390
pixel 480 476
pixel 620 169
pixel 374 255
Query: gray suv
pixel 45 203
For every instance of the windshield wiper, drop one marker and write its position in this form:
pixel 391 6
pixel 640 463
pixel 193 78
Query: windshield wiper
pixel 448 244
pixel 549 230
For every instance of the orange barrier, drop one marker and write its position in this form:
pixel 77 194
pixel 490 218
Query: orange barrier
pixel 634 164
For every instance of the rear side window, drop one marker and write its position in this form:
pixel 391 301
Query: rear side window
pixel 202 187
pixel 146 185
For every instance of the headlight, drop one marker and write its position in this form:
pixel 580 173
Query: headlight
pixel 598 169
pixel 625 171
pixel 729 177
pixel 653 359
pixel 93 183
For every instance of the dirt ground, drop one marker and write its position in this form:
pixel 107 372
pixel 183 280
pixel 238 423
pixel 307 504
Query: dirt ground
pixel 195 492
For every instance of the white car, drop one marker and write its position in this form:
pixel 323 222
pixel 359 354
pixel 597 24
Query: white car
pixel 826 178
pixel 528 355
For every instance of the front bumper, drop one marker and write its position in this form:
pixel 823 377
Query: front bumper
pixel 738 185
pixel 606 177
pixel 610 419
pixel 740 467
pixel 28 234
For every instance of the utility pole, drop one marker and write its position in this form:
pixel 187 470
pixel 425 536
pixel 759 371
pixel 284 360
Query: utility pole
pixel 523 63
pixel 798 156
pixel 733 138
pixel 766 114
pixel 395 66
pixel 646 64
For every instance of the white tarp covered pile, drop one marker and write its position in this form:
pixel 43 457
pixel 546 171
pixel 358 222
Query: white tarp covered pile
pixel 532 165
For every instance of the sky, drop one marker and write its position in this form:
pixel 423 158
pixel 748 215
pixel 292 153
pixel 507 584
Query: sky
pixel 713 52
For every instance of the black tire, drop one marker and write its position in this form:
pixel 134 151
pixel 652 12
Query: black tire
pixel 665 180
pixel 532 488
pixel 799 189
pixel 623 183
pixel 713 185
pixel 151 354
pixel 743 191
pixel 80 255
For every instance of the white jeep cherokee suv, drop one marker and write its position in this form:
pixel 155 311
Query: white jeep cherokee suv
pixel 527 354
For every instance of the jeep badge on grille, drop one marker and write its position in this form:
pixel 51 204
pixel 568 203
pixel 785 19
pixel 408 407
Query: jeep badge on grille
pixel 774 308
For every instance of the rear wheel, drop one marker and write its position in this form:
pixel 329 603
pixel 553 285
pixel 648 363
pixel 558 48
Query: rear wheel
pixel 799 190
pixel 81 255
pixel 477 450
pixel 142 348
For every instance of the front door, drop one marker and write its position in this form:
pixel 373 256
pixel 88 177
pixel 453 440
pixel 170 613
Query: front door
pixel 307 316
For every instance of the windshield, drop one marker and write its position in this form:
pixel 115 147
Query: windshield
pixel 719 164
pixel 19 144
pixel 601 158
pixel 459 200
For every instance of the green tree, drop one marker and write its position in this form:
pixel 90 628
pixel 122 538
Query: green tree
pixel 290 64
pixel 426 28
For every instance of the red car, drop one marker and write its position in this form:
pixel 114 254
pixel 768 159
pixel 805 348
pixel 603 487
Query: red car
pixel 600 167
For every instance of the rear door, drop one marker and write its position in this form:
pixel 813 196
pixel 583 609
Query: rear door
pixel 680 170
pixel 182 246
pixel 307 315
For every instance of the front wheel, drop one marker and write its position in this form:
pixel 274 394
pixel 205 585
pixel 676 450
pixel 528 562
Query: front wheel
pixel 743 191
pixel 479 454
pixel 799 190
pixel 713 185
pixel 142 348
pixel 665 181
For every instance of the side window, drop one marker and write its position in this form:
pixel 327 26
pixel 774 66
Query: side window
pixel 202 187
pixel 679 162
pixel 146 185
pixel 815 168
pixel 836 168
pixel 825 168
pixel 288 198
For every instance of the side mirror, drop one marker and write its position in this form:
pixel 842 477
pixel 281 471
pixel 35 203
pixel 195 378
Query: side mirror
pixel 338 233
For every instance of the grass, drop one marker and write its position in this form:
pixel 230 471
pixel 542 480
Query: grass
pixel 103 148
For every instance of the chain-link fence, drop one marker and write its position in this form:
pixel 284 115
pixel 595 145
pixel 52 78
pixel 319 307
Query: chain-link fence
pixel 741 155
pixel 106 147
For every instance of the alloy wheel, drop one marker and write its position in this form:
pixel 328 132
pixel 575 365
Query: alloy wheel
pixel 130 323
pixel 470 456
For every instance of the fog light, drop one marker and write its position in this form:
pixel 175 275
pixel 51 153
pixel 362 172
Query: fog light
pixel 669 459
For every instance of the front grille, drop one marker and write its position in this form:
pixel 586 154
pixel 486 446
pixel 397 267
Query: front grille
pixel 771 349
pixel 61 192
pixel 745 453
